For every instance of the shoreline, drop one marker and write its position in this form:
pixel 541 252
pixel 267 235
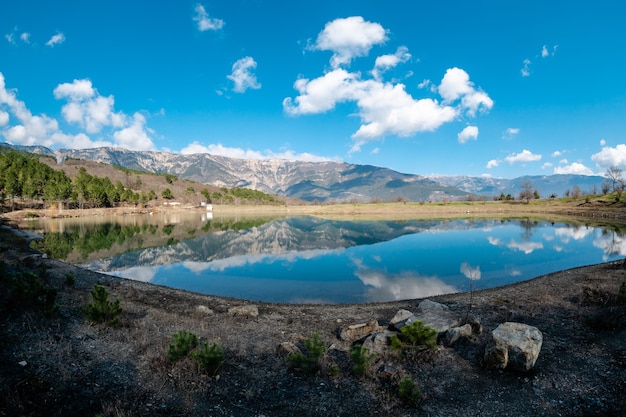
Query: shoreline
pixel 62 364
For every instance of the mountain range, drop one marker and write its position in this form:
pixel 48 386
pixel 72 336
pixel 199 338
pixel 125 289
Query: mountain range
pixel 320 181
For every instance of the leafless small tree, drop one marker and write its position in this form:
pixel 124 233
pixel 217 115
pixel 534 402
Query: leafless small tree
pixel 614 173
pixel 527 192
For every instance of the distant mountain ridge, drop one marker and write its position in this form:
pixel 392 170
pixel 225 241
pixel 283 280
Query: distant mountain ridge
pixel 546 185
pixel 321 181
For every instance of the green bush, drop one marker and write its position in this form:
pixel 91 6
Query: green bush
pixel 184 342
pixel 415 336
pixel 31 291
pixel 407 391
pixel 361 358
pixel 209 358
pixel 102 310
pixel 310 361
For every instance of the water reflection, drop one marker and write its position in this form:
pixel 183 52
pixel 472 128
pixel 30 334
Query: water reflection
pixel 305 259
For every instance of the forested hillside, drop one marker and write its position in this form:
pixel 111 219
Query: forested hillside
pixel 35 181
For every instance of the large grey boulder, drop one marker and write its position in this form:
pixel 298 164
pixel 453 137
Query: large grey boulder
pixel 378 342
pixel 515 346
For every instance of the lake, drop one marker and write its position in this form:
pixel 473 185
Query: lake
pixel 312 260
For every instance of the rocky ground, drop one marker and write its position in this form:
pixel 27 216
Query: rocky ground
pixel 55 362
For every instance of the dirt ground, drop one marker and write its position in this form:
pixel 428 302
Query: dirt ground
pixel 59 364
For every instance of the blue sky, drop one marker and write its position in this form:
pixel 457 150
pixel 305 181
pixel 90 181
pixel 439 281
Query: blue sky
pixel 496 88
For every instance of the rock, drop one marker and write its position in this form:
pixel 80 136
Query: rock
pixel 515 346
pixel 440 320
pixel 400 316
pixel 379 341
pixel 357 331
pixel 454 334
pixel 426 305
pixel 287 348
pixel 22 363
pixel 249 311
pixel 204 310
pixel 388 372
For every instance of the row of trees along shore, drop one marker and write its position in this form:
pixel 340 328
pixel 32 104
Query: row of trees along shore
pixel 23 177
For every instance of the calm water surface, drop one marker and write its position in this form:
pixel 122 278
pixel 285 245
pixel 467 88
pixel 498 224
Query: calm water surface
pixel 310 260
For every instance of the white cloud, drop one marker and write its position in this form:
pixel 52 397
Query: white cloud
pixel 135 136
pixel 526 68
pixel 547 165
pixel 574 168
pixel 544 51
pixel 385 62
pixel 204 21
pixel 510 133
pixel 25 37
pixel 57 39
pixel 469 133
pixel 10 38
pixel 375 151
pixel 563 161
pixel 385 108
pixel 242 75
pixel 602 142
pixel 492 164
pixel 349 38
pixel 77 90
pixel 4 118
pixel 610 156
pixel 456 84
pixel 556 154
pixel 524 156
pixel 85 107
pixel 427 85
pixel 218 149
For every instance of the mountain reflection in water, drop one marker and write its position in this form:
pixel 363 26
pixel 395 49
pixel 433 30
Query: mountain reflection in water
pixel 311 260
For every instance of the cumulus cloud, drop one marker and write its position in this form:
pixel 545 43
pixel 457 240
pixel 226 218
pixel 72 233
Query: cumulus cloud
pixel 574 168
pixel 384 108
pixel 492 164
pixel 231 152
pixel 469 133
pixel 85 108
pixel 456 84
pixel 57 39
pixel 243 75
pixel 610 156
pixel 201 17
pixel 524 156
pixel 349 38
pixel 25 37
pixel 385 62
pixel 135 136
